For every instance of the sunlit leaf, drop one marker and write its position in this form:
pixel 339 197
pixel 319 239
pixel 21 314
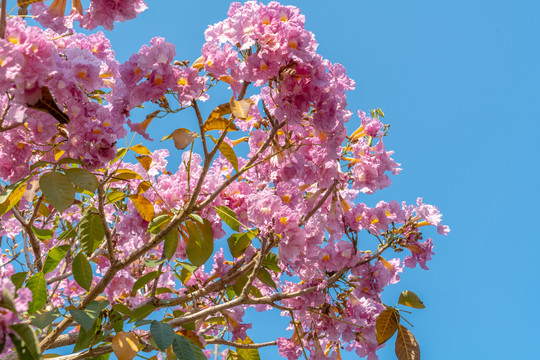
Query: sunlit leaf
pixel 145 161
pixel 228 216
pixel 181 137
pixel 158 223
pixel 54 257
pixel 125 345
pixel 227 152
pixel 82 271
pixel 11 196
pixel 143 186
pixel 407 347
pixel 125 174
pixel 141 149
pixel 144 207
pixel 18 279
pixel 42 234
pixel 219 124
pixel 248 354
pixel 408 298
pixel 240 109
pixel 219 111
pixel 57 189
pixel 38 286
pixel 386 325
pixel 115 196
pixel 83 179
pixel 238 243
pixel 270 261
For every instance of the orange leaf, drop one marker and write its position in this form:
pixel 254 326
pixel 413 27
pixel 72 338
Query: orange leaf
pixel 219 124
pixel 145 161
pixel 125 345
pixel 143 206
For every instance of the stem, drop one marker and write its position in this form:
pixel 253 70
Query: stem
pixel 3 16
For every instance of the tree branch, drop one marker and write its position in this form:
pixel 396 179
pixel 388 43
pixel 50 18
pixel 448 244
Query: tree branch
pixel 239 345
pixel 108 235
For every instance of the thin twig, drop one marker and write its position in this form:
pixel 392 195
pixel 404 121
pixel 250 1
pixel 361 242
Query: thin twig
pixel 201 127
pixel 108 235
pixel 319 203
pixel 239 345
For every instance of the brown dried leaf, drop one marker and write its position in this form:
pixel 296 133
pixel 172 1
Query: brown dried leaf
pixel 181 137
pixel 145 161
pixel 219 124
pixel 125 345
pixel 386 325
pixel 407 347
pixel 240 109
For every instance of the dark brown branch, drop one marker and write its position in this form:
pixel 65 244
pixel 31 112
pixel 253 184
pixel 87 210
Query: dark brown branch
pixel 201 126
pixel 319 203
pixel 239 345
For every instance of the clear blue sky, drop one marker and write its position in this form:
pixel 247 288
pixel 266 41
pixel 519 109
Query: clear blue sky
pixel 459 82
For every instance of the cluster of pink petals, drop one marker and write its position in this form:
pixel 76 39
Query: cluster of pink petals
pixel 100 13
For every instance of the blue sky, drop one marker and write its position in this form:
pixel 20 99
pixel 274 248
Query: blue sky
pixel 459 83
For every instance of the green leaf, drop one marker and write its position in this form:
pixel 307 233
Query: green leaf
pixel 115 196
pixel 18 279
pixel 200 244
pixel 95 308
pixel 91 232
pixel 238 243
pixel 83 179
pixel 240 284
pixel 408 298
pixel 153 262
pixel 266 278
pixel 82 271
pixel 158 223
pixel 248 354
pixel 182 348
pixel 54 257
pixel 117 321
pixel 171 243
pixel 270 261
pixel 43 234
pixel 189 267
pixel 7 302
pixel 162 333
pixel 229 217
pixel 228 152
pixel 145 279
pixel 123 309
pixel 31 343
pixel 68 234
pixel 82 318
pixel 38 286
pixel 58 190
pixel 142 312
pixel 69 160
pixel 41 319
pixel 196 217
pixel 233 355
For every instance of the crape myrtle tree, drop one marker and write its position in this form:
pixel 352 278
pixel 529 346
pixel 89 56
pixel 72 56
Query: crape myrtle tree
pixel 108 256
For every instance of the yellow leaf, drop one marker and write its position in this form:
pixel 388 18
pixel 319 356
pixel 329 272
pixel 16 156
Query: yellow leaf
pixel 125 174
pixel 386 325
pixel 219 111
pixel 407 347
pixel 145 161
pixel 181 137
pixel 410 299
pixel 141 149
pixel 191 336
pixel 125 345
pixel 240 109
pixel 13 198
pixel 143 206
pixel 143 186
pixel 219 124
